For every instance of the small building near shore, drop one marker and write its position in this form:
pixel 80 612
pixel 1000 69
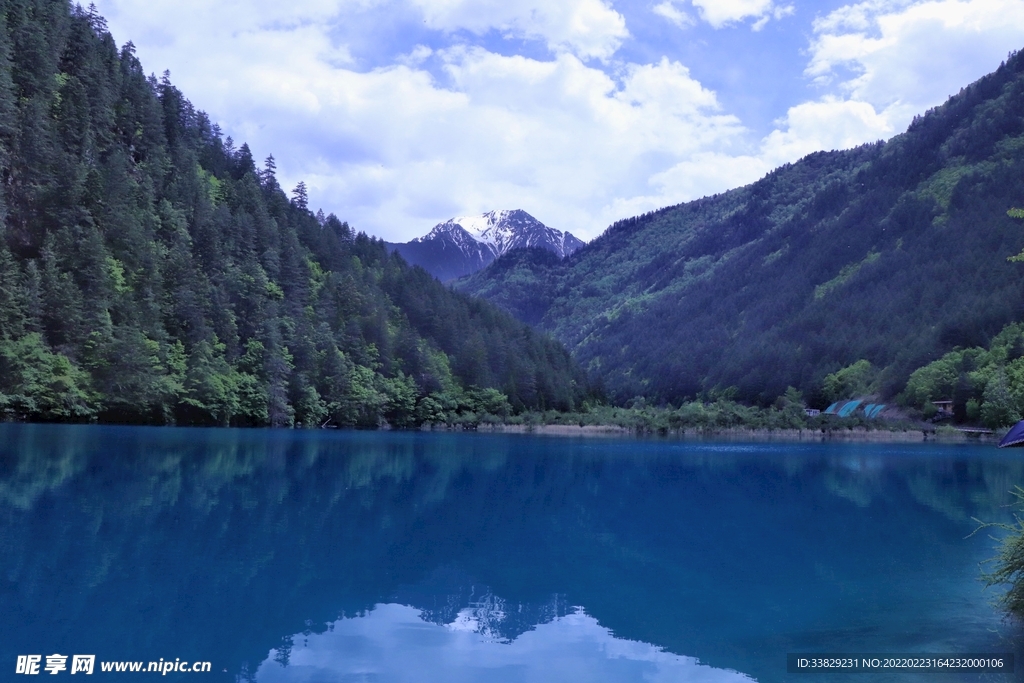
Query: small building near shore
pixel 945 406
pixel 812 412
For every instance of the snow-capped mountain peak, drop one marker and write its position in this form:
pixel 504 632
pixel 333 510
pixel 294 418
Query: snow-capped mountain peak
pixel 509 229
pixel 465 244
pixel 494 227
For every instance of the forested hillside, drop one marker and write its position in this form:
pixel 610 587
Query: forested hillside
pixel 150 272
pixel 894 253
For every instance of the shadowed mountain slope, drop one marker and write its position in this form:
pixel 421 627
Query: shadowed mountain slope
pixel 894 252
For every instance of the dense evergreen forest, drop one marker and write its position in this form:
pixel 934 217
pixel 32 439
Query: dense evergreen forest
pixel 885 257
pixel 151 272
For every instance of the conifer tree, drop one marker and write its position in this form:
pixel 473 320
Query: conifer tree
pixel 299 196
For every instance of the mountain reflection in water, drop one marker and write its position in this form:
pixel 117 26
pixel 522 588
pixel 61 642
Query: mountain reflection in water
pixel 227 545
pixel 394 643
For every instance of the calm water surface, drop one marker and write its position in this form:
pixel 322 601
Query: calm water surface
pixel 286 556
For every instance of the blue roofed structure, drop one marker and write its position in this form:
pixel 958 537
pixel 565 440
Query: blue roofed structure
pixel 1014 437
pixel 847 409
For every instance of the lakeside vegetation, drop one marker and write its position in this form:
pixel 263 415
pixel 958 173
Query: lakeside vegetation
pixel 710 416
pixel 986 385
pixel 1008 565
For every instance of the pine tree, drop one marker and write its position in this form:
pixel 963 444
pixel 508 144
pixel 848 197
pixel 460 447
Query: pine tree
pixel 299 196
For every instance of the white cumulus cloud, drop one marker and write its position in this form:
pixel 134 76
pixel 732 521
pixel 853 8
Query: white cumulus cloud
pixel 903 58
pixel 577 135
pixel 588 28
pixel 720 13
pixel 826 124
pixel 677 16
pixel 397 148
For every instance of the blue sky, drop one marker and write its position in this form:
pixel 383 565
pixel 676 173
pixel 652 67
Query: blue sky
pixel 399 114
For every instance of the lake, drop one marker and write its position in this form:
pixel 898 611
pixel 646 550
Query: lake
pixel 307 556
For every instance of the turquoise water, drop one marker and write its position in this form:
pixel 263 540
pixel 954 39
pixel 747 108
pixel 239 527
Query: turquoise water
pixel 285 556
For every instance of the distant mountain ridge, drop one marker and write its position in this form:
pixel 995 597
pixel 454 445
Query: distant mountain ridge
pixel 893 252
pixel 465 244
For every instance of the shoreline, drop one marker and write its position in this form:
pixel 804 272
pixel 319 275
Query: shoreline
pixel 758 434
pixel 855 434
